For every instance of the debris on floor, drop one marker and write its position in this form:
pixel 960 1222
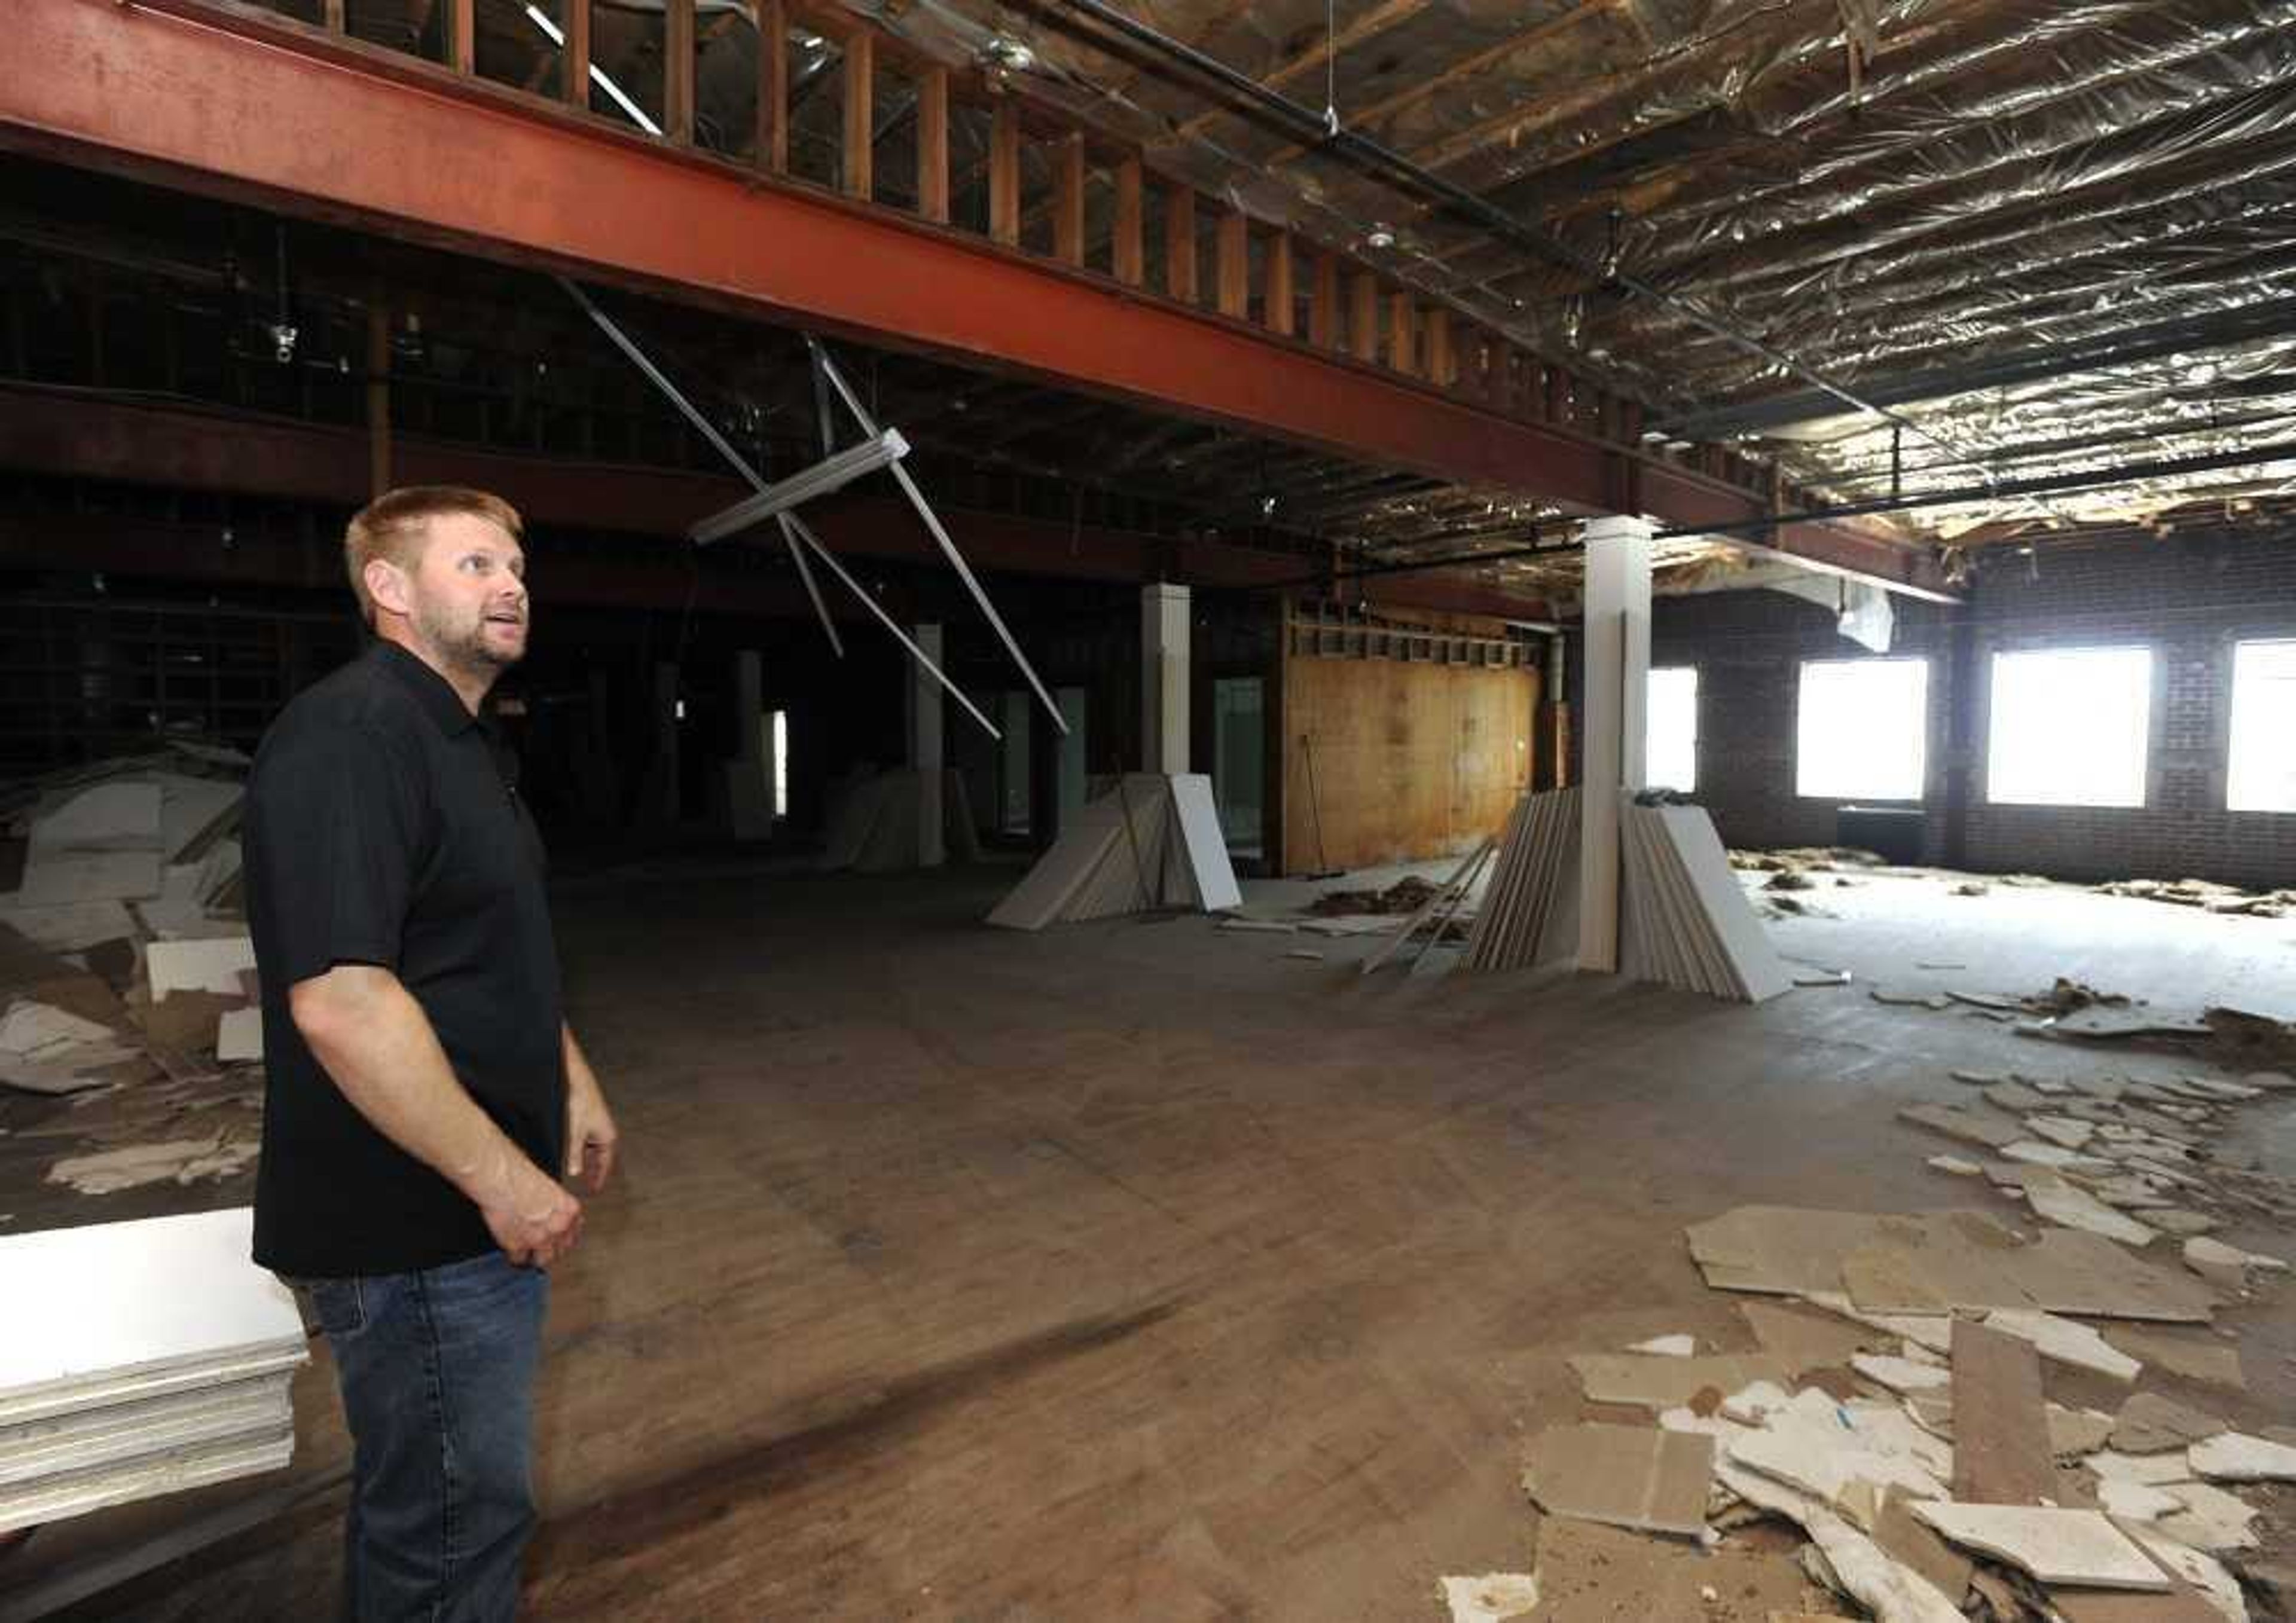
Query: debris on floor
pixel 135 1016
pixel 1408 894
pixel 1925 1462
pixel 1492 1598
pixel 2204 894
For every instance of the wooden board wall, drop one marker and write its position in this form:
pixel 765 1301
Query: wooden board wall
pixel 1411 761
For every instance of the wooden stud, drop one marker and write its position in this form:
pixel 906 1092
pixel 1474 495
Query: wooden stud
pixel 1004 173
pixel 1403 331
pixel 462 35
pixel 773 87
pixel 1127 251
pixel 1180 243
pixel 574 62
pixel 932 145
pixel 1439 358
pixel 336 22
pixel 1068 199
pixel 1276 302
pixel 1233 260
pixel 859 149
pixel 1324 302
pixel 1363 316
pixel 677 71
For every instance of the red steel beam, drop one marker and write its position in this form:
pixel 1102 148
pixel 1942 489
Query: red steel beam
pixel 61 433
pixel 245 105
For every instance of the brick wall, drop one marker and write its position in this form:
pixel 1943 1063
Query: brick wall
pixel 2189 599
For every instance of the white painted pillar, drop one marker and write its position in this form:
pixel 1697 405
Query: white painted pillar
pixel 925 758
pixel 1165 622
pixel 1612 699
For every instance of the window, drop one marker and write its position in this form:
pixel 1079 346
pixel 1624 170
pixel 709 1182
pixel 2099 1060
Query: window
pixel 1864 732
pixel 1670 728
pixel 777 752
pixel 2263 776
pixel 2069 727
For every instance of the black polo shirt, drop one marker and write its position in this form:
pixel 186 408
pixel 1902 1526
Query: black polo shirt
pixel 383 827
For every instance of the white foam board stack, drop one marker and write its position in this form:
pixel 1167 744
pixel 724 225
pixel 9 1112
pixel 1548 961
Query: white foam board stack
pixel 1686 921
pixel 874 824
pixel 1152 841
pixel 1529 913
pixel 141 1358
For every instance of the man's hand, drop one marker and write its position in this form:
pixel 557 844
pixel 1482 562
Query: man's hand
pixel 531 1216
pixel 591 1135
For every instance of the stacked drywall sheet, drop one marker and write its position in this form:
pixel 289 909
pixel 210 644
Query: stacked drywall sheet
pixel 874 824
pixel 140 1358
pixel 1153 841
pixel 1530 911
pixel 1686 921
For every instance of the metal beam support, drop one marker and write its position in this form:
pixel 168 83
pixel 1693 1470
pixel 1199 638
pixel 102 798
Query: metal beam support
pixel 264 111
pixel 706 429
pixel 924 511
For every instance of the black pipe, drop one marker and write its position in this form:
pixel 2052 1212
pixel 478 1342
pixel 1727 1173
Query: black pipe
pixel 2038 484
pixel 1373 157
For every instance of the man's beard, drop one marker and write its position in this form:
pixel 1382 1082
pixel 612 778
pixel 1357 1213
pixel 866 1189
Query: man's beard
pixel 464 648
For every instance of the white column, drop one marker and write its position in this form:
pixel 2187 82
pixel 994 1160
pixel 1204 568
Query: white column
pixel 1611 698
pixel 925 749
pixel 1164 631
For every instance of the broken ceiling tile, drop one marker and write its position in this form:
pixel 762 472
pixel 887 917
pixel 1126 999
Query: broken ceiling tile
pixel 1628 1476
pixel 2209 1519
pixel 2064 1341
pixel 2082 1548
pixel 1900 1374
pixel 2059 1201
pixel 1492 1598
pixel 2073 1431
pixel 2202 1251
pixel 1993 1131
pixel 2236 1457
pixel 2153 1469
pixel 1661 1382
pixel 2150 1424
pixel 1667 1347
pixel 2213 1363
pixel 2066 1132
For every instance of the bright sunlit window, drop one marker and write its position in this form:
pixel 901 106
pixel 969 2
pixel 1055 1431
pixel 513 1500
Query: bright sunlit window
pixel 2069 727
pixel 777 741
pixel 2263 776
pixel 1863 731
pixel 1670 729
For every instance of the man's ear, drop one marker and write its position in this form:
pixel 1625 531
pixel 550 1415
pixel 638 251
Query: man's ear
pixel 386 585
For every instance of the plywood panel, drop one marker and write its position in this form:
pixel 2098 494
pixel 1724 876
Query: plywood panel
pixel 1410 761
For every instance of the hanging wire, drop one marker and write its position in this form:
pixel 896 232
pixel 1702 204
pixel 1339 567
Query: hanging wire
pixel 1331 67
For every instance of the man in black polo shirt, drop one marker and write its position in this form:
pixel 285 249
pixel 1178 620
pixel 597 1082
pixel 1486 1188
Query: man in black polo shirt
pixel 424 1093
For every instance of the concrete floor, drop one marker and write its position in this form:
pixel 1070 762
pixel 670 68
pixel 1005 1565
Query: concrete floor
pixel 1136 1270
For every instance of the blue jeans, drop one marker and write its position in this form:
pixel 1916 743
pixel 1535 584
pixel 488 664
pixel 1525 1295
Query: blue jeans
pixel 436 1370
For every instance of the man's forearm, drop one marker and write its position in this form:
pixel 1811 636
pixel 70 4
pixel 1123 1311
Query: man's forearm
pixel 378 1045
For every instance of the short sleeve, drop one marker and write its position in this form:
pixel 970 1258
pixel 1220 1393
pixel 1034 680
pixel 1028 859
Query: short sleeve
pixel 335 832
